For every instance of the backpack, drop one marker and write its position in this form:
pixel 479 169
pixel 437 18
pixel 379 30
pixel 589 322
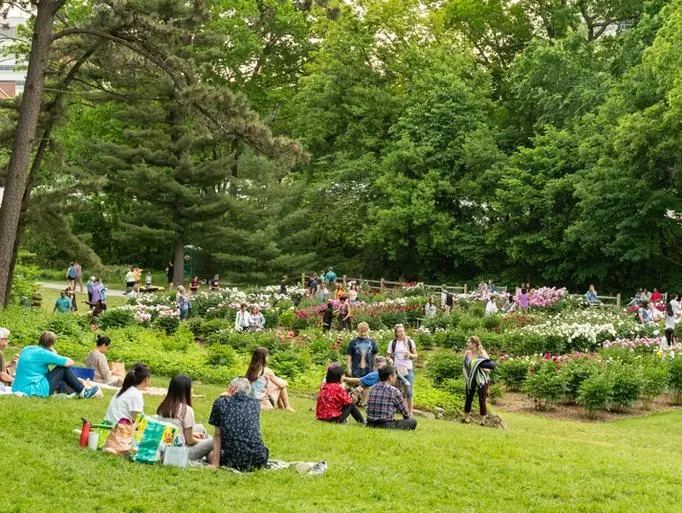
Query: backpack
pixel 410 346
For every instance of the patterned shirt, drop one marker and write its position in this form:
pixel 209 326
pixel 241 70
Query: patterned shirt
pixel 384 402
pixel 238 418
pixel 330 400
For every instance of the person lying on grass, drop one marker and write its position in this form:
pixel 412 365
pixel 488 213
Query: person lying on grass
pixel 128 403
pixel 267 388
pixel 365 383
pixel 176 408
pixel 236 417
pixel 333 402
pixel 34 377
pixel 385 400
pixel 97 360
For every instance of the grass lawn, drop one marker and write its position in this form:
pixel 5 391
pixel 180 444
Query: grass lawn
pixel 51 295
pixel 539 464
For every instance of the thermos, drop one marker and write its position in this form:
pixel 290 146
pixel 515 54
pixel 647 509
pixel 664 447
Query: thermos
pixel 85 432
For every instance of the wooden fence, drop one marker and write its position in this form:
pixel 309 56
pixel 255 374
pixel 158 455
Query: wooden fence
pixel 383 285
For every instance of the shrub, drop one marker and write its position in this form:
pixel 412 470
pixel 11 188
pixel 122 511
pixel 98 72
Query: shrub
pixel 287 318
pixel 221 355
pixel 468 324
pixel 595 393
pixel 168 323
pixel 491 322
pixel 544 385
pixel 626 386
pixel 675 379
pixel 495 392
pixel 513 373
pixel 573 373
pixel 444 365
pixel 204 328
pixel 115 318
pixel 65 324
pixel 289 363
pixel 654 381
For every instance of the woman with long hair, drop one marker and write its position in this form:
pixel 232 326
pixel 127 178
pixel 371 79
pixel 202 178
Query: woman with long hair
pixel 176 408
pixel 345 314
pixel 477 367
pixel 670 320
pixel 128 402
pixel 270 390
pixel 328 317
pixel 402 350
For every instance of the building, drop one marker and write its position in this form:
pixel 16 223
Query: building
pixel 12 74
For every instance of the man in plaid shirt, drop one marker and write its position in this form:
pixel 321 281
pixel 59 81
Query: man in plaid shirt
pixel 385 400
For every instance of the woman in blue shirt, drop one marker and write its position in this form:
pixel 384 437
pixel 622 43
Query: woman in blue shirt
pixel 34 377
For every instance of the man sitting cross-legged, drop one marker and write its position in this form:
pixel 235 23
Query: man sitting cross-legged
pixel 385 400
pixel 365 383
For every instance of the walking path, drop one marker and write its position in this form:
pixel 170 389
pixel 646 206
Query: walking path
pixel 61 286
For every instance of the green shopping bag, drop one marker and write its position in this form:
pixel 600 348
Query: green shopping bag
pixel 155 436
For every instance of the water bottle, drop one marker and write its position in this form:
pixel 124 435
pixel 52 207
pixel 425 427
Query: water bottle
pixel 85 432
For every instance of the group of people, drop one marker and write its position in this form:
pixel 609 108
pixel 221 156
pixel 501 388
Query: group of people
pixel 67 301
pixel 249 321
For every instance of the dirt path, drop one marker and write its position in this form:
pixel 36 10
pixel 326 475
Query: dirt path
pixel 61 286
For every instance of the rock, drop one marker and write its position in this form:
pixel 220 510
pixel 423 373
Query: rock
pixel 440 413
pixel 425 414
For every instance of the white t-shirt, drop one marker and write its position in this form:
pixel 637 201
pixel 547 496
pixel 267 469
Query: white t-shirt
pixel 490 308
pixel 122 405
pixel 185 419
pixel 400 352
pixel 676 307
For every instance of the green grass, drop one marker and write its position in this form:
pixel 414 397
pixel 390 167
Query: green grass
pixel 51 295
pixel 539 465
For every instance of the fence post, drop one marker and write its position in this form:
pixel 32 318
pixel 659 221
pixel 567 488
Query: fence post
pixel 344 281
pixel 302 280
pixel 465 288
pixel 618 300
pixel 381 285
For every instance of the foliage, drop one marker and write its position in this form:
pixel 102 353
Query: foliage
pixel 513 373
pixel 443 366
pixel 627 383
pixel 595 393
pixel 544 385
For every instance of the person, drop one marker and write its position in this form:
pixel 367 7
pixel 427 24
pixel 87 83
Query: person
pixel 34 377
pixel 385 400
pixel 90 287
pixel 522 300
pixel 477 366
pixel 345 314
pixel 182 301
pixel 361 353
pixel 482 288
pixel 242 320
pixel 330 276
pixel 215 283
pixel 283 284
pixel 430 309
pixel 353 293
pixel 333 402
pixel 128 403
pixel 79 277
pixel 490 307
pixel 97 360
pixel 170 270
pixel 194 285
pixel 656 314
pixel 98 293
pixel 328 317
pixel 237 442
pixel 71 294
pixel 490 287
pixel 644 314
pixel 148 280
pixel 670 322
pixel 324 294
pixel 312 285
pixel 403 351
pixel 675 303
pixel 509 303
pixel 256 319
pixel 656 296
pixel 176 408
pixel 130 280
pixel 63 303
pixel 339 292
pixel 369 380
pixel 6 377
pixel 591 298
pixel 71 275
pixel 269 389
pixel 137 274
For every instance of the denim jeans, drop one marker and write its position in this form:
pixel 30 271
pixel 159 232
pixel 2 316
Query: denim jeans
pixel 60 375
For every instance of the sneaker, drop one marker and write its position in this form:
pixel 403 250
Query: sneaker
pixel 89 393
pixel 319 468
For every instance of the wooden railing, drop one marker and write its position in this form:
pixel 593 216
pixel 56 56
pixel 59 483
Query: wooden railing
pixel 383 285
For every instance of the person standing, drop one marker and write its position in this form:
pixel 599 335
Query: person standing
pixel 182 301
pixel 79 277
pixel 670 323
pixel 215 283
pixel 523 301
pixel 194 285
pixel 330 277
pixel 328 317
pixel 430 309
pixel 403 352
pixel 312 285
pixel 323 295
pixel 170 270
pixel 477 367
pixel 283 285
pixel 64 303
pixel 361 353
pixel 90 287
pixel 345 314
pixel 71 275
pixel 148 280
pixel 385 400
pixel 130 280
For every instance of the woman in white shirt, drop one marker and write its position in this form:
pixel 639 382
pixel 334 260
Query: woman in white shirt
pixel 257 321
pixel 490 307
pixel 176 408
pixel 242 320
pixel 671 320
pixel 403 351
pixel 128 402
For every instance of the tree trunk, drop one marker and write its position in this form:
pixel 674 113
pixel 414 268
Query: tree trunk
pixel 179 261
pixel 17 169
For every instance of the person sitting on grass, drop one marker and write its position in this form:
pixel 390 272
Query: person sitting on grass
pixel 477 367
pixel 176 408
pixel 97 360
pixel 6 377
pixel 128 403
pixel 271 391
pixel 34 377
pixel 591 298
pixel 361 352
pixel 64 303
pixel 365 383
pixel 333 402
pixel 645 315
pixel 237 442
pixel 256 320
pixel 385 400
pixel 242 320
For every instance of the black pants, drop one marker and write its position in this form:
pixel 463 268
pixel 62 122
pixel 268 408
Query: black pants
pixel 670 336
pixel 482 399
pixel 60 375
pixel 408 424
pixel 352 410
